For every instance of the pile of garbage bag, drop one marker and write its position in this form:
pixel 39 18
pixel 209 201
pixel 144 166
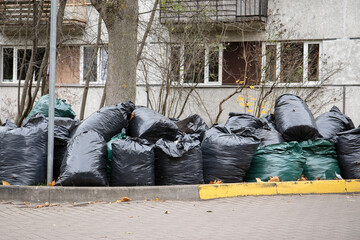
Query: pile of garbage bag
pixel 128 145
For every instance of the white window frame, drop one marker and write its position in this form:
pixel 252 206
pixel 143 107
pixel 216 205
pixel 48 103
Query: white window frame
pixel 15 58
pixel 99 66
pixel 305 81
pixel 206 67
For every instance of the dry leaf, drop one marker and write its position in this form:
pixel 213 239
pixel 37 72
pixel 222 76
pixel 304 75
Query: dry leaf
pixel 302 178
pixel 258 180
pixel 47 204
pixel 156 199
pixel 274 179
pixel 215 182
pixel 167 212
pixel 131 116
pixel 123 199
pixel 52 183
pixel 5 183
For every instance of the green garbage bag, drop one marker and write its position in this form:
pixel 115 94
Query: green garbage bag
pixel 284 160
pixel 321 160
pixel 121 135
pixel 62 109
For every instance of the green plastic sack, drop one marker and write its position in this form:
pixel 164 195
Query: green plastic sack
pixel 121 135
pixel 62 109
pixel 321 160
pixel 284 160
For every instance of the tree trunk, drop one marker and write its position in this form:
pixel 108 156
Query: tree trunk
pixel 120 18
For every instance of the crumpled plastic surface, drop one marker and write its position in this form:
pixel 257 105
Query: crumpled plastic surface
pixel 62 108
pixel 132 163
pixel 227 156
pixel 269 120
pixel 178 162
pixel 268 136
pixel 84 163
pixel 284 160
pixel 238 121
pixel 193 125
pixel 348 151
pixel 23 152
pixel 321 160
pixel 62 129
pixel 108 121
pixel 151 125
pixel 333 122
pixel 293 119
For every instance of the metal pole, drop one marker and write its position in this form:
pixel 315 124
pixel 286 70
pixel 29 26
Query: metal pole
pixel 50 159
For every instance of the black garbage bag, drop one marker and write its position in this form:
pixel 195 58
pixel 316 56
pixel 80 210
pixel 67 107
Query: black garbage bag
pixel 23 152
pixel 294 119
pixel 284 160
pixel 132 163
pixel 227 156
pixel 108 121
pixel 348 151
pixel 151 125
pixel 178 162
pixel 321 160
pixel 193 125
pixel 84 163
pixel 62 129
pixel 268 136
pixel 269 120
pixel 238 121
pixel 333 122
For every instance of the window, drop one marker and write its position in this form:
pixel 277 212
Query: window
pixel 15 63
pixel 196 64
pixel 291 62
pixel 242 63
pixel 98 62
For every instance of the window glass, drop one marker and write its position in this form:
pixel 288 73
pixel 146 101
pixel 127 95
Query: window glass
pixel 8 64
pixel 88 58
pixel 104 63
pixel 194 64
pixel 213 60
pixel 23 60
pixel 292 62
pixel 175 63
pixel 313 62
pixel 270 67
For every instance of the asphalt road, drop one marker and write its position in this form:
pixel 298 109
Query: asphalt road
pixel 266 217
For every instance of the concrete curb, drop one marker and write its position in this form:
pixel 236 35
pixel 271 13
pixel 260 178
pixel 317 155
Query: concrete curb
pixel 43 194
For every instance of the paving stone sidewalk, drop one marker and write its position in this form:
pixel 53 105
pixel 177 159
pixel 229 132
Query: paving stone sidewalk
pixel 265 217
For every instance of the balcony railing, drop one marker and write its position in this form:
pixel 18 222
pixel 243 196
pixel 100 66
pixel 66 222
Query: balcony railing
pixel 16 15
pixel 182 11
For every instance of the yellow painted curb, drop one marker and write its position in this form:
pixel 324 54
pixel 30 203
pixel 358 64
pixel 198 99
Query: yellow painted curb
pixel 212 191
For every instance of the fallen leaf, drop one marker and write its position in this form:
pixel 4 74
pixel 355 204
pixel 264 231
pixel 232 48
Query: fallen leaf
pixel 52 183
pixel 302 178
pixel 5 183
pixel 167 212
pixel 123 199
pixel 208 211
pixel 274 179
pixel 132 116
pixel 47 204
pixel 216 182
pixel 156 199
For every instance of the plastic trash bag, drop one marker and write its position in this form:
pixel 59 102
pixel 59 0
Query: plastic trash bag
pixel 151 125
pixel 178 162
pixel 108 121
pixel 294 119
pixel 193 125
pixel 268 136
pixel 321 160
pixel 23 152
pixel 62 129
pixel 238 121
pixel 284 160
pixel 227 156
pixel 132 163
pixel 348 151
pixel 333 122
pixel 84 163
pixel 269 120
pixel 62 108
